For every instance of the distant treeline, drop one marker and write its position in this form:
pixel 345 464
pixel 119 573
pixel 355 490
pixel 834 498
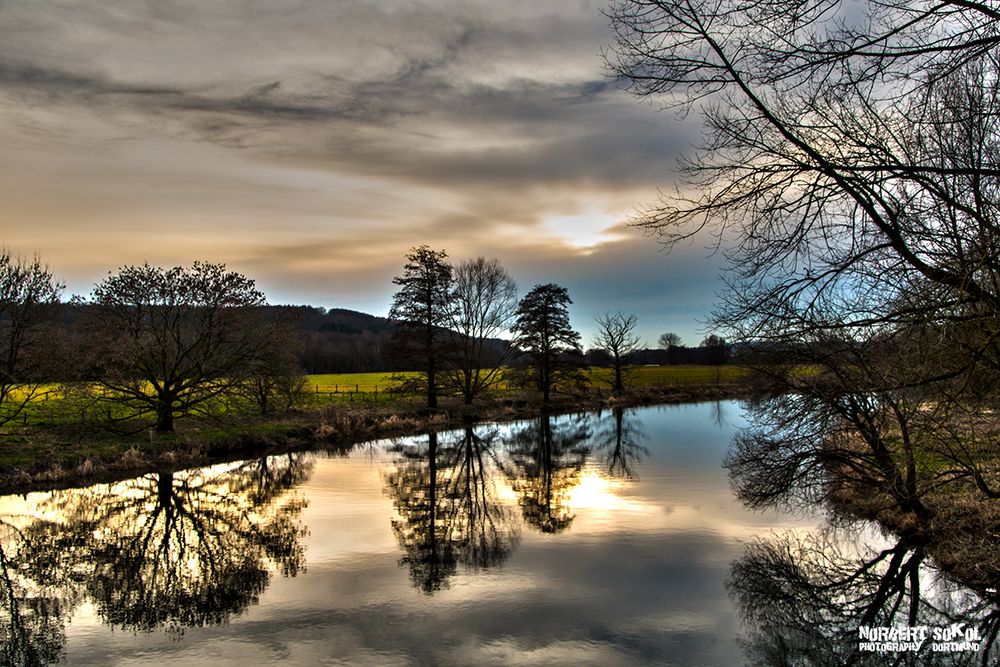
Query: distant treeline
pixel 338 340
pixel 676 355
pixel 346 341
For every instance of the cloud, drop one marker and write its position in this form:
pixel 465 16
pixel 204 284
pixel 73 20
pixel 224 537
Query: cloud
pixel 310 141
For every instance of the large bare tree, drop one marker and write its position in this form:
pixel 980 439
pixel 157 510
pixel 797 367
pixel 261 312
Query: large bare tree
pixel 484 302
pixel 849 157
pixel 850 169
pixel 172 340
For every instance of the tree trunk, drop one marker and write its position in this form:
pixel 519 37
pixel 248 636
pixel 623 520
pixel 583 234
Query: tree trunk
pixel 165 489
pixel 545 379
pixel 432 397
pixel 469 390
pixel 165 416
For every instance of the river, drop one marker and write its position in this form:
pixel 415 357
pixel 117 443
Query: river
pixel 595 539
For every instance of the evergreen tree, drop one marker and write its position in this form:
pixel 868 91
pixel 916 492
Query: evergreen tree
pixel 421 311
pixel 544 332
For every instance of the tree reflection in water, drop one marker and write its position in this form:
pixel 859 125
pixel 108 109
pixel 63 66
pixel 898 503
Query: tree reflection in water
pixel 545 463
pixel 449 514
pixel 34 613
pixel 803 599
pixel 618 440
pixel 169 550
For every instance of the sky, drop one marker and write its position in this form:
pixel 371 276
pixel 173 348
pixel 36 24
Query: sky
pixel 309 144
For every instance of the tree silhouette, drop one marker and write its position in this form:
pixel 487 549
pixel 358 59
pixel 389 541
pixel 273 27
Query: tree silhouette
pixel 544 333
pixel 616 335
pixel 618 439
pixel 34 612
pixel 172 340
pixel 422 310
pixel 28 294
pixel 802 600
pixel 668 340
pixel 850 173
pixel 484 301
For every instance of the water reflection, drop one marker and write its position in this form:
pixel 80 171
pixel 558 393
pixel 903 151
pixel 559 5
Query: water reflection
pixel 446 497
pixel 164 550
pixel 445 489
pixel 33 620
pixel 545 460
pixel 804 598
pixel 620 439
pixel 444 513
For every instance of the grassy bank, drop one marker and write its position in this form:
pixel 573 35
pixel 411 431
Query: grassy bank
pixel 336 412
pixel 956 524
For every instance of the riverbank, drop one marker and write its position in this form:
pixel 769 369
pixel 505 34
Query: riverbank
pixel 43 458
pixel 957 527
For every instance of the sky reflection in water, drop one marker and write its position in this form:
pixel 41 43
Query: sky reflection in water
pixel 577 540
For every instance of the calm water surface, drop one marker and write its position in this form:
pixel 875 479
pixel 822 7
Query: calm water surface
pixel 592 539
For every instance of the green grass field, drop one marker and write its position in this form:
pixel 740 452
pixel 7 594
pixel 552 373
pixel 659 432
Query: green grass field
pixel 640 376
pixel 669 376
pixel 77 405
pixel 350 382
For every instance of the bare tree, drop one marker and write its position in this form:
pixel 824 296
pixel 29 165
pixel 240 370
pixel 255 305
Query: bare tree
pixel 484 301
pixel 422 311
pixel 668 340
pixel 616 334
pixel 829 165
pixel 28 295
pixel 173 340
pixel 851 173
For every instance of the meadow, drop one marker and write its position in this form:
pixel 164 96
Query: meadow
pixel 639 376
pixel 83 404
pixel 56 404
pixel 71 432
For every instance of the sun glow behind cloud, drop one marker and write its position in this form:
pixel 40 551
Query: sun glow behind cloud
pixel 586 230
